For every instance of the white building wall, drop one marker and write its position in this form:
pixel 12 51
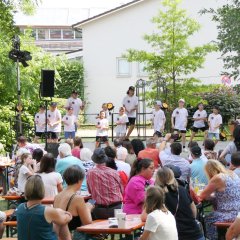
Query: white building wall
pixel 107 38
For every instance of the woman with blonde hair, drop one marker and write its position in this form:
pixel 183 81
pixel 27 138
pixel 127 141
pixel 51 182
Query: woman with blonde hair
pixel 225 185
pixel 180 204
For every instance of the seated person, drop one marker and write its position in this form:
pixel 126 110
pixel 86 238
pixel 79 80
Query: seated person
pixel 209 149
pixel 235 163
pixel 36 221
pixel 234 230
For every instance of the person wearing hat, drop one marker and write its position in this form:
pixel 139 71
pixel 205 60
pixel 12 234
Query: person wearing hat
pixel 104 184
pixel 69 122
pixel 54 119
pixel 40 123
pixel 214 123
pixel 199 118
pixel 179 121
pixel 198 165
pixel 130 102
pixel 158 119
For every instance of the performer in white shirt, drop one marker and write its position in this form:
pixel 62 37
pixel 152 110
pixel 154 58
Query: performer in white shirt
pixel 214 123
pixel 199 118
pixel 158 119
pixel 179 121
pixel 130 102
pixel 40 123
pixel 102 126
pixel 76 103
pixel 54 119
pixel 69 121
pixel 121 122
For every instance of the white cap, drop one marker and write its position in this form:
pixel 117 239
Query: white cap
pixel 159 103
pixel 181 100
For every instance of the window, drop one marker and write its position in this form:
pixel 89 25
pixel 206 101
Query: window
pixel 68 34
pixel 55 34
pixel 78 34
pixel 123 67
pixel 42 34
pixel 141 69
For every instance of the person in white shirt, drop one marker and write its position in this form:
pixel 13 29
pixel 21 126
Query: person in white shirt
pixel 122 120
pixel 69 121
pixel 158 119
pixel 130 102
pixel 40 123
pixel 121 155
pixel 102 129
pixel 54 119
pixel 76 103
pixel 160 223
pixel 179 121
pixel 214 123
pixel 199 118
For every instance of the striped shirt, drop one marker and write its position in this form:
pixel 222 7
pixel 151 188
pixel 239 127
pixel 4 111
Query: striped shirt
pixel 105 185
pixel 167 158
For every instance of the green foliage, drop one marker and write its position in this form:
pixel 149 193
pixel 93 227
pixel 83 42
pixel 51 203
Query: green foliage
pixel 71 78
pixel 172 56
pixel 228 40
pixel 227 99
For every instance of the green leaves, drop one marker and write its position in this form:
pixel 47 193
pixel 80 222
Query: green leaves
pixel 171 56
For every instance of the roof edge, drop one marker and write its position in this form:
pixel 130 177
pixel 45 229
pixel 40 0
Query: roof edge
pixel 77 25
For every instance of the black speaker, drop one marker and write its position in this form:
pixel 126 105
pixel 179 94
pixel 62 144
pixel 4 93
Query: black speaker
pixel 47 84
pixel 53 149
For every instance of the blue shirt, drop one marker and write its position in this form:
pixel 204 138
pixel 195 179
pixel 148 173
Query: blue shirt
pixel 32 224
pixel 64 163
pixel 197 170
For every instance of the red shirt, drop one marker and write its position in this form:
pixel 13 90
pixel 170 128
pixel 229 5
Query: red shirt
pixel 76 152
pixel 105 185
pixel 151 153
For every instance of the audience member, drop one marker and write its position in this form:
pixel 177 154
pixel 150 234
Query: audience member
pixel 131 157
pixel 86 158
pixel 140 179
pixel 151 152
pixel 138 145
pixel 78 145
pixel 37 155
pixel 209 149
pixel 172 156
pixel 105 186
pixel 25 170
pixel 66 160
pixel 70 200
pixel 36 221
pixel 197 166
pixel 225 185
pixel 232 147
pixel 120 160
pixel 160 223
pixel 233 232
pixel 52 180
pixel 180 204
pixel 235 163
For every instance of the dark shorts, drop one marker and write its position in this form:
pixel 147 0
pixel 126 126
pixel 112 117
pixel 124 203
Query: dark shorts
pixel 102 139
pixel 39 134
pixel 157 133
pixel 203 129
pixel 131 121
pixel 181 131
pixel 53 135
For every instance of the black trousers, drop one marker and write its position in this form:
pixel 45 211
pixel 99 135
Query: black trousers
pixel 104 212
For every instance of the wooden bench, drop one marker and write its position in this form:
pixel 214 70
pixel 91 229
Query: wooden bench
pixel 11 228
pixel 222 228
pixel 9 238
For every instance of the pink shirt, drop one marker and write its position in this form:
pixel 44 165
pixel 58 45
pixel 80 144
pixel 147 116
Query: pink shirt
pixel 135 194
pixel 76 152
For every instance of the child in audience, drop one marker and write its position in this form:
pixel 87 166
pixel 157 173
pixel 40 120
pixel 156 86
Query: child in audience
pixel 122 120
pixel 158 119
pixel 69 121
pixel 25 170
pixel 209 149
pixel 214 123
pixel 235 163
pixel 102 129
pixel 160 223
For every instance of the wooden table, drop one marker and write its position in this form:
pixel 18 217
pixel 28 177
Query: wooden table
pixel 13 200
pixel 133 224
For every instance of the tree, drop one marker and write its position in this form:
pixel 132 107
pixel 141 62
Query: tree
pixel 228 40
pixel 171 57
